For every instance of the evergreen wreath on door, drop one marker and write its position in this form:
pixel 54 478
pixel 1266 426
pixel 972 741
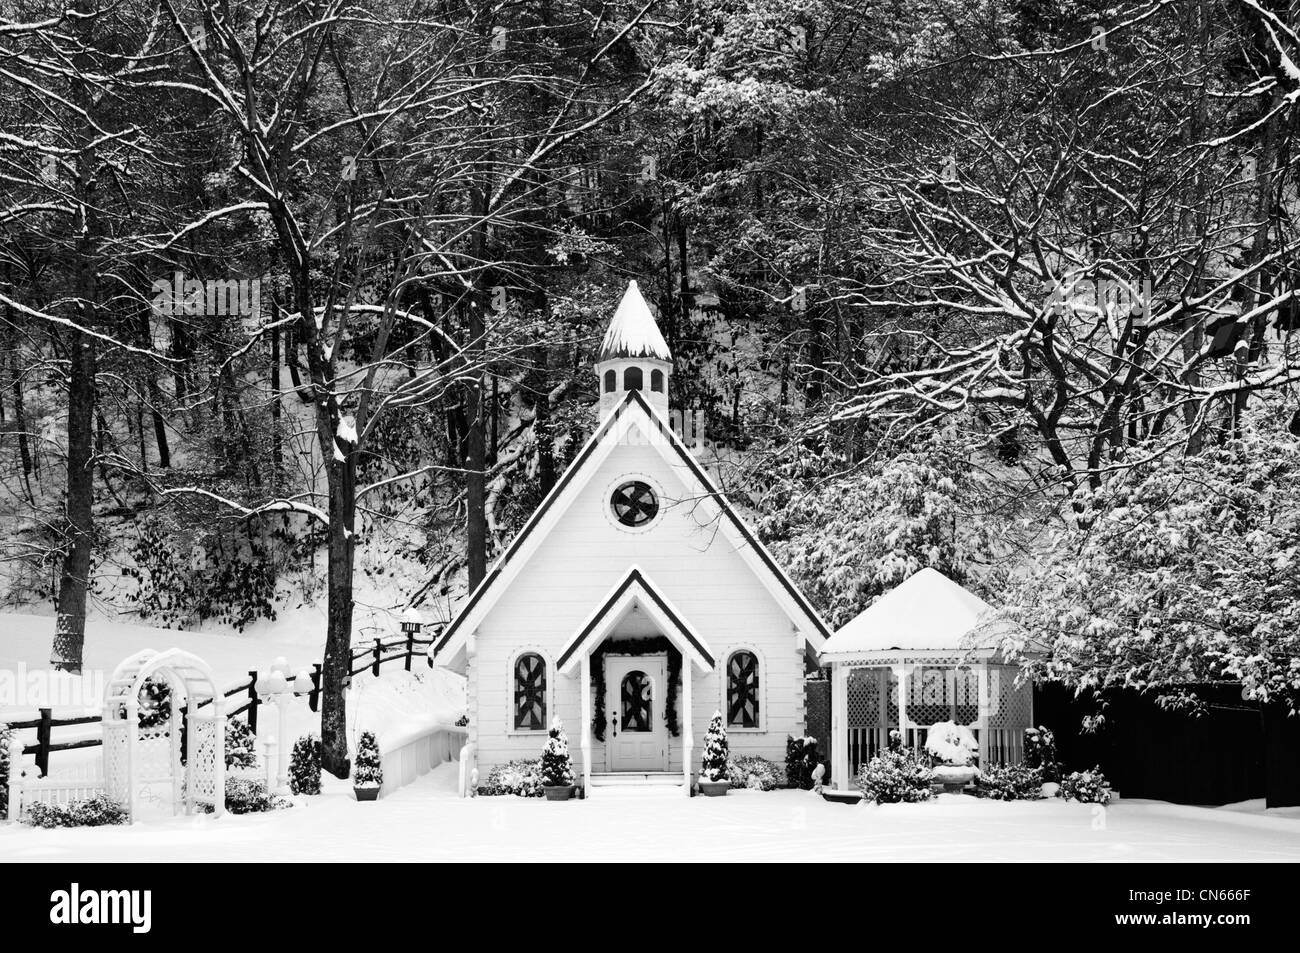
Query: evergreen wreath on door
pixel 656 645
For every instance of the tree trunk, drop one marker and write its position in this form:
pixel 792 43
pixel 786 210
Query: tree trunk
pixel 475 495
pixel 337 664
pixel 70 632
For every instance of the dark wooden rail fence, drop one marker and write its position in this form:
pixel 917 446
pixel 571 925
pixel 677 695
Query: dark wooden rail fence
pixel 371 658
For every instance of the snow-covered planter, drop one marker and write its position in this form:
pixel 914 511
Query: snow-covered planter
pixel 1086 787
pixel 953 749
pixel 367 768
pixel 896 776
pixel 556 766
pixel 713 766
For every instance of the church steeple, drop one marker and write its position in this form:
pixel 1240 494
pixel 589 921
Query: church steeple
pixel 633 356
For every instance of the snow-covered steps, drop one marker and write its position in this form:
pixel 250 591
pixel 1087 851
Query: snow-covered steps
pixel 637 784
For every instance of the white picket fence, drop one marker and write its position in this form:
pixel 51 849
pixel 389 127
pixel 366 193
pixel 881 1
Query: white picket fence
pixel 74 783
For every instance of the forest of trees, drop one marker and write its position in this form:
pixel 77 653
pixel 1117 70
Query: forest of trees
pixel 970 285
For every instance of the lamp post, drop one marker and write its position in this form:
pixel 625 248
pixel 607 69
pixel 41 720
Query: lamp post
pixel 277 687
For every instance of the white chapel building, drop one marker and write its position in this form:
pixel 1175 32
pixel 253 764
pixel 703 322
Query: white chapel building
pixel 634 603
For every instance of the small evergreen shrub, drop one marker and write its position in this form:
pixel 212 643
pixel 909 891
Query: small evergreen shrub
pixel 1009 782
pixel 1087 787
pixel 801 760
pixel 896 776
pixel 895 740
pixel 757 774
pixel 522 778
pixel 304 766
pixel 367 767
pixel 462 721
pixel 97 811
pixel 250 796
pixel 556 767
pixel 1040 753
pixel 4 769
pixel 713 766
pixel 241 745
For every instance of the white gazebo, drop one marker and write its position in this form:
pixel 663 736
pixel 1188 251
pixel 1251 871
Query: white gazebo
pixel 926 651
pixel 180 763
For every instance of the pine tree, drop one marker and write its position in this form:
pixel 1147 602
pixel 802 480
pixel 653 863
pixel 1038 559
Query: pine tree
pixel 304 766
pixel 4 769
pixel 241 745
pixel 714 765
pixel 557 768
pixel 367 769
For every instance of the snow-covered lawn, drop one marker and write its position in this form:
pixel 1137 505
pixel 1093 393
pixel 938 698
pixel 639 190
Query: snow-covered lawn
pixel 425 821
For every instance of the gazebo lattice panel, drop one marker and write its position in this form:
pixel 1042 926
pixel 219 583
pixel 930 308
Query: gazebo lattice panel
pixel 864 698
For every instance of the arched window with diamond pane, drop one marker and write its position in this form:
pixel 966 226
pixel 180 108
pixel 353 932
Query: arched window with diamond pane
pixel 530 692
pixel 742 690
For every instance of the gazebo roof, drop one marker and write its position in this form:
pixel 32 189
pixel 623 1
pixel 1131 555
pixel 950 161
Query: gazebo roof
pixel 927 613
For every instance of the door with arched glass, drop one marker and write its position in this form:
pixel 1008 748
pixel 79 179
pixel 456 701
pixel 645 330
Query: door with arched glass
pixel 637 733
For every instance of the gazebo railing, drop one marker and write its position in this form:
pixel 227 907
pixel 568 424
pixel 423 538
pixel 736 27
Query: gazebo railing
pixel 1005 745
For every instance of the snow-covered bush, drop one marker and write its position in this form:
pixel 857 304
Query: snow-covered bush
pixel 97 811
pixel 1087 787
pixel 250 796
pixel 241 745
pixel 1009 782
pixel 4 769
pixel 801 759
pixel 522 778
pixel 949 743
pixel 894 776
pixel 367 766
pixel 757 774
pixel 155 703
pixel 556 766
pixel 1040 753
pixel 304 766
pixel 895 740
pixel 713 766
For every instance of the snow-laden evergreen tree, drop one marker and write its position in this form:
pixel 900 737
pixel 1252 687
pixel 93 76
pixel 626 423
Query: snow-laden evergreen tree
pixel 1180 570
pixel 241 745
pixel 4 769
pixel 304 766
pixel 557 767
pixel 367 769
pixel 713 766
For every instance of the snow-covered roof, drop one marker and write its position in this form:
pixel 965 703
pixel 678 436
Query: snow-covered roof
pixel 632 331
pixel 928 612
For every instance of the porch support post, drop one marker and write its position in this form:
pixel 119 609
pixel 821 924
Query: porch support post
pixel 982 722
pixel 840 767
pixel 688 739
pixel 584 691
pixel 902 673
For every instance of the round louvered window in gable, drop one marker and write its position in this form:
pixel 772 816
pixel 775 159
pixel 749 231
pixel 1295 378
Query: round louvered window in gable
pixel 634 503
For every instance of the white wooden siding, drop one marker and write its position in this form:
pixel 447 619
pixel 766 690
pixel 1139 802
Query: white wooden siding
pixel 694 565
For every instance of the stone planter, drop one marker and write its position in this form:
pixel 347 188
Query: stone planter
pixel 842 797
pixel 953 778
pixel 366 794
pixel 558 792
pixel 714 788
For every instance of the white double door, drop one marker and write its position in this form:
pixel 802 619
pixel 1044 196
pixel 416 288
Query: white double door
pixel 636 736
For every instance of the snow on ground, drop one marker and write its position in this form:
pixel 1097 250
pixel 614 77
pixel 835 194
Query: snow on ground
pixel 426 822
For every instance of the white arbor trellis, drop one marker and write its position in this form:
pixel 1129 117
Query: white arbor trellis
pixel 182 760
pixel 923 653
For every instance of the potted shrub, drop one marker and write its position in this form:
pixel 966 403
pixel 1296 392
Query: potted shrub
pixel 367 769
pixel 713 767
pixel 557 768
pixel 953 748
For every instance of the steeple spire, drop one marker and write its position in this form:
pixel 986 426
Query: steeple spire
pixel 633 355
